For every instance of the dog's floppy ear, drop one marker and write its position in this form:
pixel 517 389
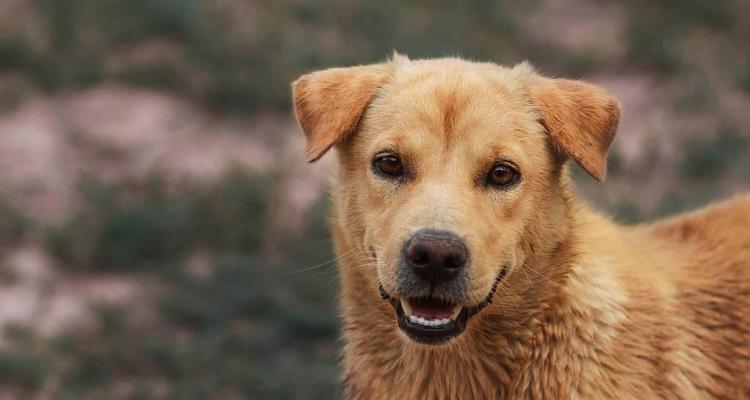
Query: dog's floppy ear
pixel 580 118
pixel 329 103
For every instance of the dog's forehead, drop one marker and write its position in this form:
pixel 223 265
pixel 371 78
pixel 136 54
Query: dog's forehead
pixel 449 100
pixel 449 84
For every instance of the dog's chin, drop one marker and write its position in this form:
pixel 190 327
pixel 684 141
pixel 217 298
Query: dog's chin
pixel 435 321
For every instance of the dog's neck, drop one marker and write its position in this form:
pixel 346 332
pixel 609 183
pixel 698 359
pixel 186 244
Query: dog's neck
pixel 494 358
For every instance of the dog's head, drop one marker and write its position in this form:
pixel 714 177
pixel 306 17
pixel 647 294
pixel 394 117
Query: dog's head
pixel 451 173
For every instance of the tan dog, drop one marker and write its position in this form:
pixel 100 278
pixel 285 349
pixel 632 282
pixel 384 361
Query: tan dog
pixel 470 271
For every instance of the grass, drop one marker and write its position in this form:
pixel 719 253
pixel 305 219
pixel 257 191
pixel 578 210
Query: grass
pixel 743 76
pixel 239 62
pixel 707 160
pixel 21 369
pixel 249 328
pixel 13 225
pixel 131 227
pixel 658 34
pixel 243 62
pixel 240 66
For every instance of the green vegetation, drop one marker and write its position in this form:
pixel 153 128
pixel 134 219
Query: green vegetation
pixel 743 77
pixel 134 226
pixel 13 225
pixel 241 60
pixel 21 369
pixel 657 33
pixel 227 56
pixel 705 160
pixel 238 56
pixel 251 326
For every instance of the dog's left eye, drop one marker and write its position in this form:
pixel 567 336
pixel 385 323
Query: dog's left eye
pixel 503 175
pixel 389 166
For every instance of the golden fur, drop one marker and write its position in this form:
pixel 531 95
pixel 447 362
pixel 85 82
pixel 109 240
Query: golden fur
pixel 589 309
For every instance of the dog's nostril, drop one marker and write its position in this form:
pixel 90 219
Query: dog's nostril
pixel 436 256
pixel 419 254
pixel 455 260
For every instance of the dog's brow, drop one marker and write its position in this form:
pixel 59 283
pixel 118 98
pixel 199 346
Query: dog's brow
pixel 453 104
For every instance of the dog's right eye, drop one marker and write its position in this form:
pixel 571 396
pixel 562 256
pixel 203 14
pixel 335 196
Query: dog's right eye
pixel 503 175
pixel 389 166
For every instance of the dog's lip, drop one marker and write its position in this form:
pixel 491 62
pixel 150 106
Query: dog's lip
pixel 440 323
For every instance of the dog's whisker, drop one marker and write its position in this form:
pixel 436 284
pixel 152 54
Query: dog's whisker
pixel 320 265
pixel 527 266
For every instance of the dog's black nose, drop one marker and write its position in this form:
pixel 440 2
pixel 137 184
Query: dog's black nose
pixel 436 256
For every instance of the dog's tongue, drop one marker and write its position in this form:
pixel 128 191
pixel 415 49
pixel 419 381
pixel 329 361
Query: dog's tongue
pixel 431 311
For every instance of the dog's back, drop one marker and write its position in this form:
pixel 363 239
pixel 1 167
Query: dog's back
pixel 711 302
pixel 724 227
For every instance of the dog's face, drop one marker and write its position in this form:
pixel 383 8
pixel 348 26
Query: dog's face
pixel 451 172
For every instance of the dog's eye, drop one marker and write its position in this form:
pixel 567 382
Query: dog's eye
pixel 388 166
pixel 503 175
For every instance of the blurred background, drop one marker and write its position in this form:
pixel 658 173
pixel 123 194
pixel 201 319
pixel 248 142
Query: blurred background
pixel 161 236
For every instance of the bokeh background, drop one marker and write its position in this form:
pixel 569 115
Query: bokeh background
pixel 161 236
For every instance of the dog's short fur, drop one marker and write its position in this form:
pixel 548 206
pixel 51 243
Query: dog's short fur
pixel 588 308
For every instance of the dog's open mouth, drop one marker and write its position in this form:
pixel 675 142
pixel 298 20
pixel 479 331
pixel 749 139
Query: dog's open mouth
pixel 431 320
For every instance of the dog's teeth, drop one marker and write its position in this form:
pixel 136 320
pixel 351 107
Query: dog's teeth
pixel 414 319
pixel 407 308
pixel 428 322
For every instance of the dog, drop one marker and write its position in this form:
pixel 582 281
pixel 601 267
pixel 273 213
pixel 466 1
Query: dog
pixel 470 270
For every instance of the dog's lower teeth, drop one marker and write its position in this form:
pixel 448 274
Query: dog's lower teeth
pixel 428 322
pixel 418 320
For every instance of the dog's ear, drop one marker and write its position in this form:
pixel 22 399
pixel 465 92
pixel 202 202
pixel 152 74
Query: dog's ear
pixel 329 103
pixel 580 118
